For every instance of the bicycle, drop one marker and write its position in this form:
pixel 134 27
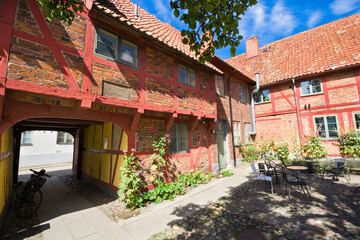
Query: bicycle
pixel 31 196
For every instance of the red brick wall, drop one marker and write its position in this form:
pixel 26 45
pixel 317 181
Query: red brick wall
pixel 114 75
pixel 159 64
pixel 340 92
pixel 144 133
pixel 159 93
pixel 187 99
pixel 32 62
pixel 24 20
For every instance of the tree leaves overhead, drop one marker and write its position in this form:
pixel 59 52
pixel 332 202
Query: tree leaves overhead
pixel 213 24
pixel 63 10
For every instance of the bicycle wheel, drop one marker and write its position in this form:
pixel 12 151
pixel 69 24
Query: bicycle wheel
pixel 37 199
pixel 29 204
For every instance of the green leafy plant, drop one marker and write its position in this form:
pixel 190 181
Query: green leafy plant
pixel 282 152
pixel 227 173
pixel 130 188
pixel 160 141
pixel 313 147
pixel 64 10
pixel 350 144
pixel 249 152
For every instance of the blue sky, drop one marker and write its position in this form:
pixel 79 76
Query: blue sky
pixel 270 20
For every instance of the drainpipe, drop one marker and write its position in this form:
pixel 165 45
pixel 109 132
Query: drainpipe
pixel 253 132
pixel 231 119
pixel 297 110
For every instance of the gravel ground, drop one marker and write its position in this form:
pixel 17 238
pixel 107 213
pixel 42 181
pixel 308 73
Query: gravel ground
pixel 332 214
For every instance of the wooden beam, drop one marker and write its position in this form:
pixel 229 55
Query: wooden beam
pixel 194 123
pixel 212 124
pixel 135 121
pixel 169 122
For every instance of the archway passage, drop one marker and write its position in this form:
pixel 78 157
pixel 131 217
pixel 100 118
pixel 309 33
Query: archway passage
pixel 98 147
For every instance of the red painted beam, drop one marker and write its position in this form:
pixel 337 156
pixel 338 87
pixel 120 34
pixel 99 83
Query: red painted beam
pixel 88 55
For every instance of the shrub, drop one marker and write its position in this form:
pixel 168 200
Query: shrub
pixel 227 173
pixel 249 152
pixel 313 147
pixel 282 151
pixel 350 144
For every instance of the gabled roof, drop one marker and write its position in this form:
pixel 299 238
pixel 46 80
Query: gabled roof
pixel 124 10
pixel 327 47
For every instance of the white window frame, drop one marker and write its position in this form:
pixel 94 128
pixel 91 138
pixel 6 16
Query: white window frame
pixel 242 86
pixel 24 140
pixel 237 132
pixel 217 79
pixel 311 87
pixel 62 142
pixel 177 137
pixel 354 118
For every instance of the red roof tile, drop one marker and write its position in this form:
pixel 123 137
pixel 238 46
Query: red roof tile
pixel 124 10
pixel 327 47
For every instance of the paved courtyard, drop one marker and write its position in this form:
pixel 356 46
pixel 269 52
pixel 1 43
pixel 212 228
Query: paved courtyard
pixel 221 209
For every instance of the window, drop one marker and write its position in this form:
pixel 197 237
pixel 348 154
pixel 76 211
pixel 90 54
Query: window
pixel 326 126
pixel 357 122
pixel 310 87
pixel 220 85
pixel 237 133
pixel 186 75
pixel 112 47
pixel 262 96
pixel 64 138
pixel 26 138
pixel 247 133
pixel 242 93
pixel 179 138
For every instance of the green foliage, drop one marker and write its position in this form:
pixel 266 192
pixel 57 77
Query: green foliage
pixel 350 144
pixel 313 147
pixel 64 10
pixel 249 152
pixel 131 183
pixel 192 178
pixel 165 191
pixel 160 141
pixel 212 24
pixel 282 151
pixel 227 173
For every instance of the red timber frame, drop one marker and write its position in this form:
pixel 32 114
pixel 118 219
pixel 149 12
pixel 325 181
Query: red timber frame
pixel 327 109
pixel 15 111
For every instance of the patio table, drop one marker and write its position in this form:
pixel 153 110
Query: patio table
pixel 298 169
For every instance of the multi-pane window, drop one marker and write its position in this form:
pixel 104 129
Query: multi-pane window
pixel 237 133
pixel 26 137
pixel 326 126
pixel 186 75
pixel 64 138
pixel 220 85
pixel 179 138
pixel 310 87
pixel 242 93
pixel 115 48
pixel 262 96
pixel 247 133
pixel 357 122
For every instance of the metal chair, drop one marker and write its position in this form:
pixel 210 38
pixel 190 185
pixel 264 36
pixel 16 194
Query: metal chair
pixel 293 180
pixel 335 168
pixel 260 176
pixel 313 165
pixel 273 169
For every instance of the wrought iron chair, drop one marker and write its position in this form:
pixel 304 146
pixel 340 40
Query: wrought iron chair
pixel 261 176
pixel 313 165
pixel 273 169
pixel 336 168
pixel 294 180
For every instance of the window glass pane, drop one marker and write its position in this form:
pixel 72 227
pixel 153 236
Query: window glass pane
pixel 106 50
pixel 128 52
pixel 242 93
pixel 26 137
pixel 182 73
pixel 69 138
pixel 220 88
pixel 191 77
pixel 357 121
pixel 61 137
pixel 173 138
pixel 182 145
pixel 257 97
pixel 320 126
pixel 305 88
pixel 332 127
pixel 107 38
pixel 316 86
pixel 266 95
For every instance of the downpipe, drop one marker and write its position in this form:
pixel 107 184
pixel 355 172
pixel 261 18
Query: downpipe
pixel 253 132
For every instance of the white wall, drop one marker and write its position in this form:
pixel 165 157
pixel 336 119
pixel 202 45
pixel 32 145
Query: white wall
pixel 44 150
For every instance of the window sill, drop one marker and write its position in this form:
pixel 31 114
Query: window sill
pixel 26 144
pixel 64 143
pixel 116 61
pixel 312 94
pixel 186 84
pixel 262 103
